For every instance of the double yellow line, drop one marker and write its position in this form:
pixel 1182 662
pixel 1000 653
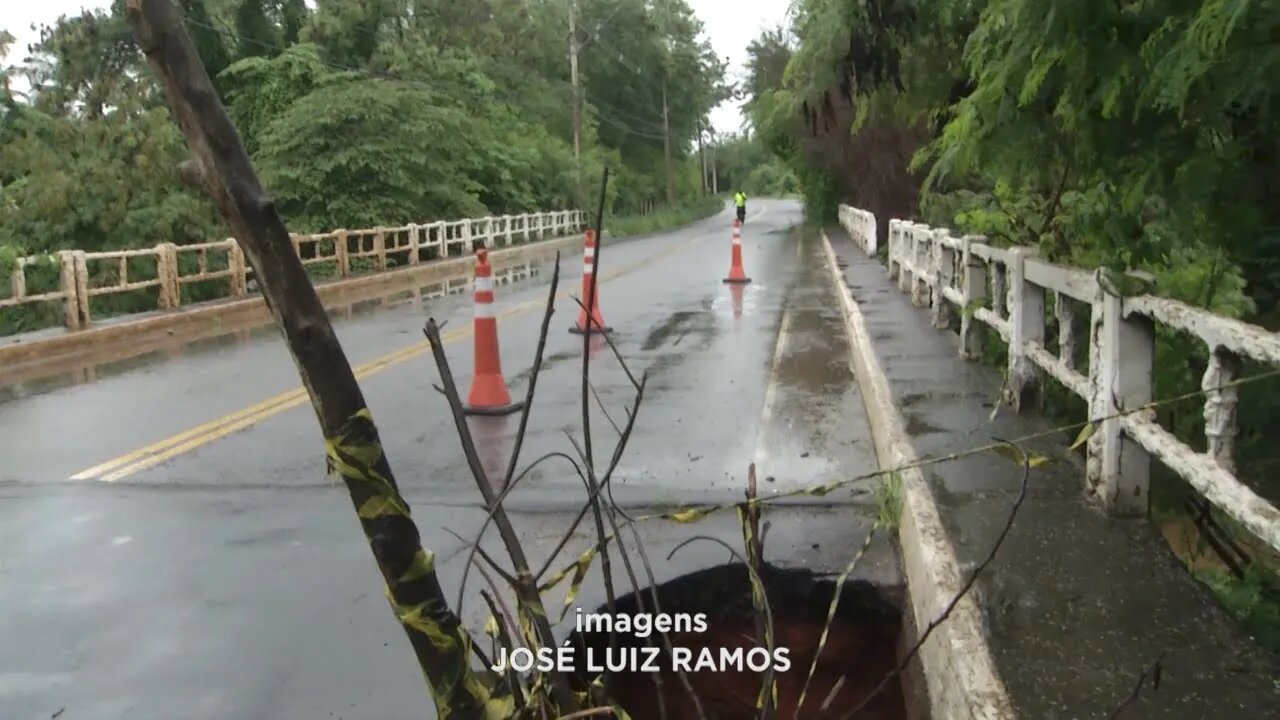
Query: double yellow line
pixel 184 442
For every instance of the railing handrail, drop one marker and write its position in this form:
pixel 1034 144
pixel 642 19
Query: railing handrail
pixel 1006 288
pixel 163 269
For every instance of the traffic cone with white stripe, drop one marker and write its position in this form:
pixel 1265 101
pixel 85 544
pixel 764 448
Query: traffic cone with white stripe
pixel 489 395
pixel 589 290
pixel 736 273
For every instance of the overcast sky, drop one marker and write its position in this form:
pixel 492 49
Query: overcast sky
pixel 729 25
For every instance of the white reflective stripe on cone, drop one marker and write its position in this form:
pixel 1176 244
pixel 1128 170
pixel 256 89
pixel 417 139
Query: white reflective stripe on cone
pixel 483 284
pixel 589 253
pixel 586 268
pixel 484 310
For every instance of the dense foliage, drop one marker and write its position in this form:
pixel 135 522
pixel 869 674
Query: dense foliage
pixel 1136 135
pixel 356 114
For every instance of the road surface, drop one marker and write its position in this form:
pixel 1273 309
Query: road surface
pixel 173 549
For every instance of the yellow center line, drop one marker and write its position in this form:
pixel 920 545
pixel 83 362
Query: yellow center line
pixel 184 442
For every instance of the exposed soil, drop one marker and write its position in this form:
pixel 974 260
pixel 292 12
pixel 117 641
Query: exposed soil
pixel 859 651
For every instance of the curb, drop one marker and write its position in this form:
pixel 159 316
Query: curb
pixel 959 670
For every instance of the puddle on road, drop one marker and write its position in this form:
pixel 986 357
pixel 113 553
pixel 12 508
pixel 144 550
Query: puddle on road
pixel 236 329
pixel 861 648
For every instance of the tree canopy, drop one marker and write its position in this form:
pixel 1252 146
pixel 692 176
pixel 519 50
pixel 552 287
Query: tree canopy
pixel 1134 135
pixel 357 113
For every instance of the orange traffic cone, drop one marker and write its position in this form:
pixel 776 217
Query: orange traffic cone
pixel 589 290
pixel 488 394
pixel 736 273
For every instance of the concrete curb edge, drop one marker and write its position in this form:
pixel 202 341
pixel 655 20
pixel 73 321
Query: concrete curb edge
pixel 959 669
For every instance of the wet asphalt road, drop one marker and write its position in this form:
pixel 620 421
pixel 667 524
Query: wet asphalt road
pixel 173 549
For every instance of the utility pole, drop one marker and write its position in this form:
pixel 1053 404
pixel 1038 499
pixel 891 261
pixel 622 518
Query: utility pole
pixel 666 122
pixel 702 159
pixel 666 143
pixel 577 95
pixel 715 179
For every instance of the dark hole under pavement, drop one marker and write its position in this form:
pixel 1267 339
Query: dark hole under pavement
pixel 861 647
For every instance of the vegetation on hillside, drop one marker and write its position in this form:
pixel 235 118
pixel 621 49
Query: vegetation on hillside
pixel 356 115
pixel 1129 135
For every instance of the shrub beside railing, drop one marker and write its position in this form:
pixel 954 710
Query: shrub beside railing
pixel 179 274
pixel 1006 290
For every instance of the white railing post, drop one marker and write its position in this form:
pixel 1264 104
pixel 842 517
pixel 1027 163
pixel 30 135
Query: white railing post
pixel 1121 357
pixel 70 290
pixel 235 265
pixel 83 308
pixel 920 265
pixel 1065 314
pixel 906 252
pixel 943 271
pixel 166 255
pixel 413 244
pixel 1026 325
pixel 895 265
pixel 975 292
pixel 1221 398
pixel 340 250
pixel 380 249
pixel 442 238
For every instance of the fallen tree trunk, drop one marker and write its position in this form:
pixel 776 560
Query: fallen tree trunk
pixel 221 167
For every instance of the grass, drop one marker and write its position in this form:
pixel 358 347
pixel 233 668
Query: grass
pixel 665 219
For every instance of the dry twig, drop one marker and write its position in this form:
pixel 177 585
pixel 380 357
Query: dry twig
pixel 973 579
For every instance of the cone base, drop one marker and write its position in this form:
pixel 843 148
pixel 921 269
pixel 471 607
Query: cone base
pixel 595 330
pixel 741 280
pixel 493 411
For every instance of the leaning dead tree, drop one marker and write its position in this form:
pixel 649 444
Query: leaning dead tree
pixel 221 167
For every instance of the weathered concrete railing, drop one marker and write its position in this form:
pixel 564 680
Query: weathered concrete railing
pixel 342 253
pixel 1006 289
pixel 861 226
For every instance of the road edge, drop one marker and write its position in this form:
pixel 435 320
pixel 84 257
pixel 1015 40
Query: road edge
pixel 959 669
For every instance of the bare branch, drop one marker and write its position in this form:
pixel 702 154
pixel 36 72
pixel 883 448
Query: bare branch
pixel 594 493
pixel 608 340
pixel 533 374
pixel 606 480
pixel 486 557
pixel 511 486
pixel 593 501
pixel 757 589
pixel 973 579
pixel 526 589
pixel 1153 672
pixel 503 620
pixel 666 637
pixel 354 449
pixel 600 403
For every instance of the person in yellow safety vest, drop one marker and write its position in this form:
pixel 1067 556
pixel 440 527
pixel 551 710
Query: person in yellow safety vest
pixel 740 200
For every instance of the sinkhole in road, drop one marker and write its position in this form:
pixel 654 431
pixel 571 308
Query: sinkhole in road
pixel 863 645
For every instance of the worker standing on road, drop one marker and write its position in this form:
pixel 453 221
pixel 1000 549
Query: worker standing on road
pixel 740 199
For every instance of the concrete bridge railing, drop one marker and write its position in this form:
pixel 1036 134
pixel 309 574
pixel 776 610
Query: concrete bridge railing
pixel 342 253
pixel 1006 290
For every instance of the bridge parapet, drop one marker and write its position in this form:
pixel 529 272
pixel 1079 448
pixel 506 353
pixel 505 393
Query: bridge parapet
pixel 1007 289
pixel 168 268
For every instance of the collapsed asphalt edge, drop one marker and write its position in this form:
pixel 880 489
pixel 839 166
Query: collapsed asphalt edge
pixel 959 669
